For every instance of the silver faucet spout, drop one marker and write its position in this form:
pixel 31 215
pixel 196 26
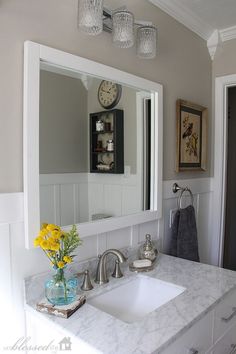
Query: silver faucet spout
pixel 101 274
pixel 116 253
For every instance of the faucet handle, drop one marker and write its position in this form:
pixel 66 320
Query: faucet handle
pixel 117 271
pixel 87 285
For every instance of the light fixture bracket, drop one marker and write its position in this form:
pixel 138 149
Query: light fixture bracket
pixel 107 19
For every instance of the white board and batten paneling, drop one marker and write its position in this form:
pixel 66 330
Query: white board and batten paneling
pixel 73 198
pixel 116 196
pixel 64 198
pixel 202 189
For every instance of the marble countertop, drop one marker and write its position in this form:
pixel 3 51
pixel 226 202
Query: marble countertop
pixel 205 286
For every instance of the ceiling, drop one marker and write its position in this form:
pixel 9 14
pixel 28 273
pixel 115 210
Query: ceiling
pixel 213 20
pixel 218 14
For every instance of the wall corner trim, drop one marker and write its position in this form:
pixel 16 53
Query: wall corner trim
pixel 213 43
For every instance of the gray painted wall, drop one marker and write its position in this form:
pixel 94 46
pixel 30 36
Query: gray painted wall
pixel 63 128
pixel 224 62
pixel 183 66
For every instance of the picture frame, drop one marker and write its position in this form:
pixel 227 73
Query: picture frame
pixel 191 120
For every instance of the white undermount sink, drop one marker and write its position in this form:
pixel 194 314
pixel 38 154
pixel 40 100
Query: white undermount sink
pixel 132 301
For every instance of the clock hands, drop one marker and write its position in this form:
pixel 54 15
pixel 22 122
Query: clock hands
pixel 105 90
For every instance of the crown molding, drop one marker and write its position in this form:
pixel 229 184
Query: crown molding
pixel 180 13
pixel 218 37
pixel 185 16
pixel 228 33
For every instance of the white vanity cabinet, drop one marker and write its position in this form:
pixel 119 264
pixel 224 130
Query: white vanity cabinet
pixel 215 333
pixel 224 332
pixel 227 344
pixel 197 340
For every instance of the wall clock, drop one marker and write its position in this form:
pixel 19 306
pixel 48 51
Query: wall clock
pixel 109 94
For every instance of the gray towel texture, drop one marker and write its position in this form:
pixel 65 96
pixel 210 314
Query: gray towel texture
pixel 184 243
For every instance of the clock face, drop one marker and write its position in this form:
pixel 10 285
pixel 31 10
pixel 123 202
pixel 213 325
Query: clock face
pixel 109 94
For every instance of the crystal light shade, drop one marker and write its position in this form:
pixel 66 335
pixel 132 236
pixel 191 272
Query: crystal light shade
pixel 90 16
pixel 123 29
pixel 146 42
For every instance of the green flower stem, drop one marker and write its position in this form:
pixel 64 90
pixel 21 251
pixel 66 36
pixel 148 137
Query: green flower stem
pixel 47 255
pixel 65 290
pixel 60 276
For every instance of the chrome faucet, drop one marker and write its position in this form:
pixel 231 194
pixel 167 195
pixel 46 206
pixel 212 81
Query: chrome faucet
pixel 101 274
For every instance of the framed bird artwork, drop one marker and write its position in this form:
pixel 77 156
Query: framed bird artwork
pixel 191 136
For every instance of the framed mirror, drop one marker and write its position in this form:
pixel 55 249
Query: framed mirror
pixel 92 144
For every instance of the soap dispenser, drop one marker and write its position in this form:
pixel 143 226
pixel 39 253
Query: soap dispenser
pixel 147 250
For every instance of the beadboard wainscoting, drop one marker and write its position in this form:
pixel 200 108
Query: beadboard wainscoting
pixel 16 262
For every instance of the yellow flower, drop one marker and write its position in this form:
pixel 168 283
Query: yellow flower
pixel 54 246
pixel 67 259
pixel 56 234
pixel 43 233
pixel 44 244
pixel 44 225
pixel 37 241
pixel 51 227
pixel 60 264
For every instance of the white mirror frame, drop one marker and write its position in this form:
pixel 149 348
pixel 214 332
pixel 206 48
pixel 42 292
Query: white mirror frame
pixel 34 54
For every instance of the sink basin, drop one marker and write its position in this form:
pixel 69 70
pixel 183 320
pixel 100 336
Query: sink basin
pixel 132 301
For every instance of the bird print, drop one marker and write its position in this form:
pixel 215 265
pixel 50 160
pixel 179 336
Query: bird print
pixel 188 131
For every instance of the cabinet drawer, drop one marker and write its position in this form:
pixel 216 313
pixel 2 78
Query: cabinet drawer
pixel 225 315
pixel 227 344
pixel 198 338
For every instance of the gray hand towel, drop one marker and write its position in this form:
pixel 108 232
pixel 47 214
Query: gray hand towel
pixel 184 243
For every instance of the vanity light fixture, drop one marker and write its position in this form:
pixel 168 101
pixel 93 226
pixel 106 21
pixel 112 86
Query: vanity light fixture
pixel 93 18
pixel 90 15
pixel 123 29
pixel 146 42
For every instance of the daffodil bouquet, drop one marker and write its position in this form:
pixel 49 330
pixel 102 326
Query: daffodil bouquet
pixel 59 246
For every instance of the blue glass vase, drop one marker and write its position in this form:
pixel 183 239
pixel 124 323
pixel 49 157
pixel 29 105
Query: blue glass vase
pixel 60 291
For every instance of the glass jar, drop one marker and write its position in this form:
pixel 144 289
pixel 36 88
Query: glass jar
pixel 110 145
pixel 99 125
pixel 59 290
pixel 147 250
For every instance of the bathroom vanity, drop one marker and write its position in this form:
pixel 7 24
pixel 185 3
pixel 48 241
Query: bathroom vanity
pixel 200 319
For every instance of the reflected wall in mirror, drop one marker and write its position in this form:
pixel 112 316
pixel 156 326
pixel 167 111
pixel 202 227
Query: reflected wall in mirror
pixel 69 132
pixel 61 184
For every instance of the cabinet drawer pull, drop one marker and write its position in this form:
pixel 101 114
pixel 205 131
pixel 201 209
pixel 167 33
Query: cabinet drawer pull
pixel 227 319
pixel 233 349
pixel 194 351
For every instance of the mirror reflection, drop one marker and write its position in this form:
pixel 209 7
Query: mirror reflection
pixel 94 148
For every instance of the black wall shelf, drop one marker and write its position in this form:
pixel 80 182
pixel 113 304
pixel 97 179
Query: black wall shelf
pixel 111 161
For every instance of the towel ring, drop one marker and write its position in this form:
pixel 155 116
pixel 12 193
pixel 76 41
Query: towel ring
pixel 181 195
